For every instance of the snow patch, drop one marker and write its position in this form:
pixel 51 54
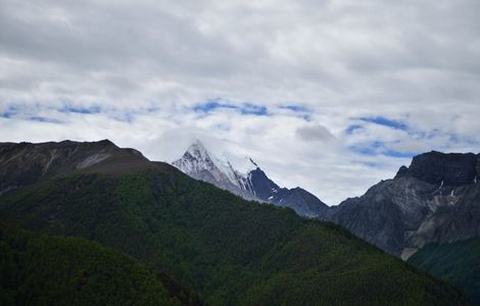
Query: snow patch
pixel 243 165
pixel 53 155
pixel 92 160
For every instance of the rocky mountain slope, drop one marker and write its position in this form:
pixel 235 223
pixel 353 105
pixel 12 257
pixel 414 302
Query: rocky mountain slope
pixel 251 183
pixel 436 199
pixel 231 251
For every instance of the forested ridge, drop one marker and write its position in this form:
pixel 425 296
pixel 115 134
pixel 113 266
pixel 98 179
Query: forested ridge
pixel 230 251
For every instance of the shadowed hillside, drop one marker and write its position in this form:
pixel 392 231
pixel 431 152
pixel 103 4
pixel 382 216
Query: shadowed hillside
pixel 37 269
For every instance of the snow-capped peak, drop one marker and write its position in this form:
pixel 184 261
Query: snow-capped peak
pixel 195 159
pixel 238 176
pixel 198 150
pixel 226 171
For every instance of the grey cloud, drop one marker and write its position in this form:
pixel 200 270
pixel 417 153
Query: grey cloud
pixel 315 133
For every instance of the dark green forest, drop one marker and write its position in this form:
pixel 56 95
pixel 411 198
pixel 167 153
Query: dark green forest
pixel 457 263
pixel 230 251
pixel 37 269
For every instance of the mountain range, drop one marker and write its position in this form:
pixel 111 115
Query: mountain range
pixel 434 204
pixel 70 208
pixel 435 199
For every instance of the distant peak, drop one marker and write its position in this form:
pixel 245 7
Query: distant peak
pixel 226 162
pixel 198 150
pixel 106 142
pixel 197 145
pixel 403 171
pixel 453 169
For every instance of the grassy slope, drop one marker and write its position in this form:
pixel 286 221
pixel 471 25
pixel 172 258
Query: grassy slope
pixel 231 251
pixel 37 269
pixel 458 263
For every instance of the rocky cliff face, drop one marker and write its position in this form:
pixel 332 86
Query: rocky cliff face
pixel 436 199
pixel 454 169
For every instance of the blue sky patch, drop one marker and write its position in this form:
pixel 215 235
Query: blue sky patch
pixel 299 111
pixel 352 128
pixel 296 108
pixel 10 112
pixel 211 106
pixel 81 109
pixel 14 113
pixel 399 154
pixel 252 109
pixel 243 108
pixel 379 148
pixel 44 119
pixel 7 114
pixel 380 120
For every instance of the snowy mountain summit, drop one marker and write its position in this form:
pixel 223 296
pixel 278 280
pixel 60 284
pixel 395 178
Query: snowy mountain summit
pixel 200 164
pixel 246 179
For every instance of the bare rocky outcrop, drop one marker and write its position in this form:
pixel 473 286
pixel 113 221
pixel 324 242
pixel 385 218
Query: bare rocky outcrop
pixel 435 199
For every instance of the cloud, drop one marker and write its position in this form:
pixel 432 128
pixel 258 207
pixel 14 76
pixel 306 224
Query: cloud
pixel 314 133
pixel 329 95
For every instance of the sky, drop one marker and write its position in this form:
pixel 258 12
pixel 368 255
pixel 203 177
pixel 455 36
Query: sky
pixel 332 96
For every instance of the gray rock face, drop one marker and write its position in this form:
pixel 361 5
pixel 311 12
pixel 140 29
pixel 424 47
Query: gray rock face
pixel 454 169
pixel 436 199
pixel 301 201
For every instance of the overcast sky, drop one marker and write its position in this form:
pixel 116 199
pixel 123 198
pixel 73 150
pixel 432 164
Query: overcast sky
pixel 332 96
